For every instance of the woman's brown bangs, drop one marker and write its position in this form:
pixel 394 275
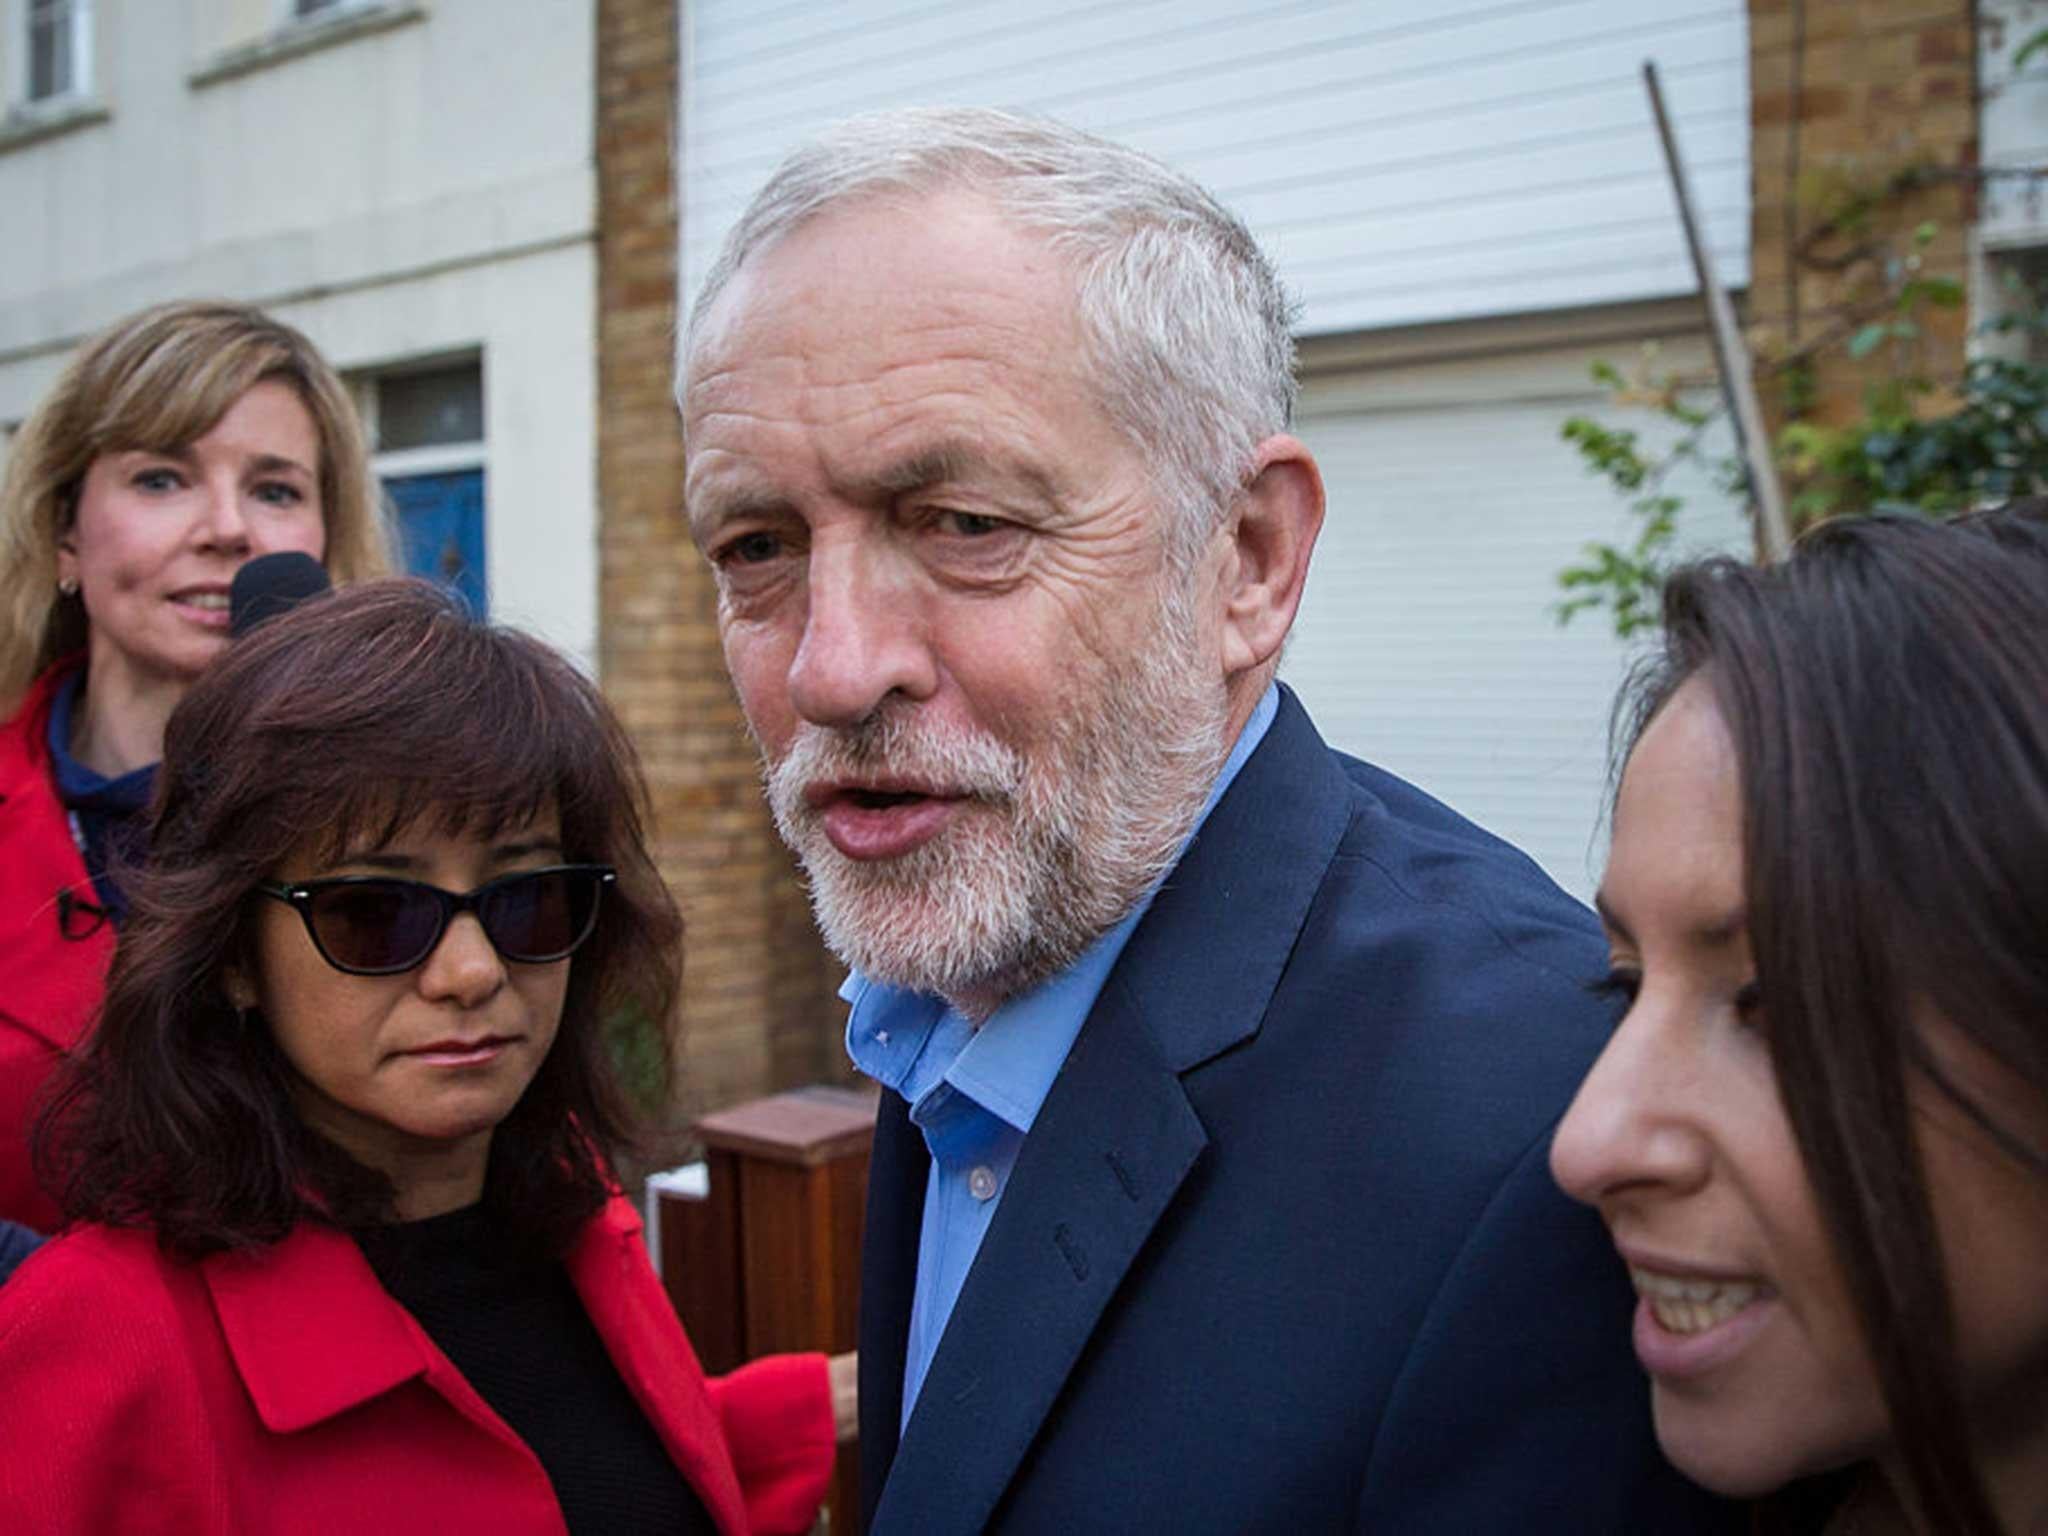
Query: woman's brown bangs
pixel 395 704
pixel 433 794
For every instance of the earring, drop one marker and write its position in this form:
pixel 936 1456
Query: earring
pixel 67 588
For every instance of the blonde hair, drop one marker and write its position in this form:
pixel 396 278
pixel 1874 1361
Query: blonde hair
pixel 159 380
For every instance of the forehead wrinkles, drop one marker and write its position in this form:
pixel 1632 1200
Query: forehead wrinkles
pixel 840 295
pixel 835 345
pixel 798 416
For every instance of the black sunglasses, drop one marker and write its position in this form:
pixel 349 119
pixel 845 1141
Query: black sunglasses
pixel 379 925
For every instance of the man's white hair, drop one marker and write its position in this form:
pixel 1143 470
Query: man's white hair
pixel 1184 318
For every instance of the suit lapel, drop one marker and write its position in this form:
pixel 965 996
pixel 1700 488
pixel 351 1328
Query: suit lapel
pixel 1202 966
pixel 898 1169
pixel 1099 1169
pixel 1107 1154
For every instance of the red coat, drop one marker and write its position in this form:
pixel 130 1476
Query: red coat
pixel 49 985
pixel 286 1391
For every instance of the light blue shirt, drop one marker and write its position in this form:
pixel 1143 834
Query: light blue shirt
pixel 974 1093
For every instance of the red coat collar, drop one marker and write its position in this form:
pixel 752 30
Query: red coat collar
pixel 313 1334
pixel 311 1331
pixel 52 982
pixel 25 738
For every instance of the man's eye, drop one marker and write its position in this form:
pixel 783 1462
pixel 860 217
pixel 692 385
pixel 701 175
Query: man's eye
pixel 971 525
pixel 751 549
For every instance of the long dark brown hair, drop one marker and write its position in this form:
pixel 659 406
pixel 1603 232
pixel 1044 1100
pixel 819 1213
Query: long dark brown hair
pixel 345 720
pixel 1887 693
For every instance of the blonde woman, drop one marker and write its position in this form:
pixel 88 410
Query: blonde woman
pixel 178 444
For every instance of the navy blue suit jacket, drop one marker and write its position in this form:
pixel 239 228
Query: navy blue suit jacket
pixel 1281 1252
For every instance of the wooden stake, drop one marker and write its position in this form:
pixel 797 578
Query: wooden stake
pixel 1731 354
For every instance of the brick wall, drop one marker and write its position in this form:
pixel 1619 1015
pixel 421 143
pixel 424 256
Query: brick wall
pixel 1855 89
pixel 758 1010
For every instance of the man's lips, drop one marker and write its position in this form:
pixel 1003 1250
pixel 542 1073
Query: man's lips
pixel 875 791
pixel 882 819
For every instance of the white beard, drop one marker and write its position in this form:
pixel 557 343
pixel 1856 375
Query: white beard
pixel 1054 845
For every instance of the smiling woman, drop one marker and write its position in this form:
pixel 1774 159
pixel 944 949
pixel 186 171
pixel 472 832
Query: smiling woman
pixel 178 444
pixel 1820 1134
pixel 340 1152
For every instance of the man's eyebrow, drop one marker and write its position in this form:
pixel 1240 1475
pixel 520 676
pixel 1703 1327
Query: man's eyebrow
pixel 933 466
pixel 719 504
pixel 955 459
pixel 952 459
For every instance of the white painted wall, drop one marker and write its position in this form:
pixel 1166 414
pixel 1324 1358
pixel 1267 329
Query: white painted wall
pixel 424 188
pixel 2013 123
pixel 1427 641
pixel 1404 160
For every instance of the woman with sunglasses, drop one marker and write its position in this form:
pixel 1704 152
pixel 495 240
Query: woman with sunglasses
pixel 346 1253
pixel 1819 1135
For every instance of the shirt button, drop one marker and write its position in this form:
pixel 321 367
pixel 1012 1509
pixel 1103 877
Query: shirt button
pixel 881 1037
pixel 981 1183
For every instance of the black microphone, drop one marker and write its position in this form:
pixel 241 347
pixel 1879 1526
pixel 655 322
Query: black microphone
pixel 269 584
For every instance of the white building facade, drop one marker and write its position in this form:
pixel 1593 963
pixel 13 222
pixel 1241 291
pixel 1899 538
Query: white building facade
pixel 410 182
pixel 1469 200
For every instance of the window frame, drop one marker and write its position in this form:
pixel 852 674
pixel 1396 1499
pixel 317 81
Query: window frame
pixel 22 20
pixel 365 389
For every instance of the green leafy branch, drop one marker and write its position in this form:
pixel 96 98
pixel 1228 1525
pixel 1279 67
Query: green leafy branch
pixel 1912 448
pixel 1626 579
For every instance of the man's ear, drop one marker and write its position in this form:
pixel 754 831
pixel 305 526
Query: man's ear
pixel 1270 532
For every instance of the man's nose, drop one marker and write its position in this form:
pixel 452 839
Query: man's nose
pixel 866 636
pixel 1634 1124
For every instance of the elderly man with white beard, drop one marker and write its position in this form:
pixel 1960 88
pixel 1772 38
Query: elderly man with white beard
pixel 1209 1186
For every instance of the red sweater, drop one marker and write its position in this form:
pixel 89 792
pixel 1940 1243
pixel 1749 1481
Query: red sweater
pixel 49 984
pixel 285 1391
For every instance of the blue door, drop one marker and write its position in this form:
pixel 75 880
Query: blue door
pixel 441 530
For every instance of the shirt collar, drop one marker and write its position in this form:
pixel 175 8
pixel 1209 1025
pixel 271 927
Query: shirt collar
pixel 911 1041
pixel 86 788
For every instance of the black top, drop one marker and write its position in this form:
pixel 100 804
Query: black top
pixel 517 1331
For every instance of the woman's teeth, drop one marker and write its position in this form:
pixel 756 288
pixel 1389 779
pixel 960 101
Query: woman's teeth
pixel 1692 1306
